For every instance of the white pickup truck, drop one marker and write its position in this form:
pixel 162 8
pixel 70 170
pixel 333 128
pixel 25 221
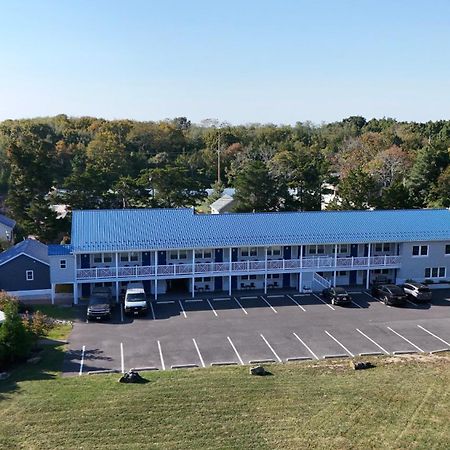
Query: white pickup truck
pixel 135 299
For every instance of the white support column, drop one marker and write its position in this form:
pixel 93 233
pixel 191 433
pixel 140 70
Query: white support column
pixel 369 251
pixel 229 278
pixel 335 264
pixel 75 293
pixel 265 270
pixel 117 277
pixel 75 285
pixel 117 291
pixel 300 274
pixel 53 293
pixel 156 275
pixel 193 273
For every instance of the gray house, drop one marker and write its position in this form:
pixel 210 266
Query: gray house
pixel 25 270
pixel 6 228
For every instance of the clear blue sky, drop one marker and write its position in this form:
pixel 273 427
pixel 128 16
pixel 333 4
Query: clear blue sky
pixel 241 61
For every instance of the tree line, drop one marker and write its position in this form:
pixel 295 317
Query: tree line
pixel 95 163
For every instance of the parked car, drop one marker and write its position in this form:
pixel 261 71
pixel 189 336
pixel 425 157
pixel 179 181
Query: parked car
pixel 98 308
pixel 135 299
pixel 104 292
pixel 391 294
pixel 417 291
pixel 337 295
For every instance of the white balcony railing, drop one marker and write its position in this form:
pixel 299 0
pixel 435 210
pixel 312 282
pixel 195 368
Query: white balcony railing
pixel 238 267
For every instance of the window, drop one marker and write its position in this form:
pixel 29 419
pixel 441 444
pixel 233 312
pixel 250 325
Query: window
pixel 62 264
pixel 447 249
pixel 420 250
pixel 382 247
pixel 342 273
pixel 252 277
pixel 178 254
pixel 29 274
pixel 435 272
pixel 341 248
pixel 131 256
pixel 273 251
pixel 103 258
pixel 316 249
pixel 200 254
pixel 273 276
pixel 249 251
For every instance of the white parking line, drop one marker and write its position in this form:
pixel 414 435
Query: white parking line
pixel 82 360
pixel 198 352
pixel 153 311
pixel 161 356
pixel 211 306
pixel 307 348
pixel 407 340
pixel 356 304
pixel 271 307
pixel 377 299
pixel 323 301
pixel 165 302
pixel 271 348
pixel 275 296
pixel 295 301
pixel 432 334
pixel 243 309
pixel 182 309
pixel 194 300
pixel 122 361
pixel 342 345
pixel 252 297
pixel 373 342
pixel 221 299
pixel 235 350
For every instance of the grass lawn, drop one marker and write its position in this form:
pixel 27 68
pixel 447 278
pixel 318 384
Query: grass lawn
pixel 402 403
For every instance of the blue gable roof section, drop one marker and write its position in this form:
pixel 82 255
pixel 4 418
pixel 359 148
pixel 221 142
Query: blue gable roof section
pixel 29 247
pixel 7 221
pixel 139 229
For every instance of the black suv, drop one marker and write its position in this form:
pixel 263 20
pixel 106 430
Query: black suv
pixel 98 308
pixel 337 296
pixel 390 294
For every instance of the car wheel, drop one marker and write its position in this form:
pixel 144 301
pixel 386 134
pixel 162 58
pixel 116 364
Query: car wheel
pixel 332 301
pixel 385 300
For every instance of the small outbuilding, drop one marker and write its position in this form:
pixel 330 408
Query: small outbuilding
pixel 25 270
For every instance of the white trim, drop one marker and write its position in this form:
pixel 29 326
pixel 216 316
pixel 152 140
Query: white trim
pixel 25 254
pixel 32 293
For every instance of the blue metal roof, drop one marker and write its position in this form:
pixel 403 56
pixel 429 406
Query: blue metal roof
pixel 57 250
pixel 30 247
pixel 7 221
pixel 140 229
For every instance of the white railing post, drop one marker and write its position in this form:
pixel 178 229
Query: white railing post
pixel 353 260
pixel 248 266
pixel 384 259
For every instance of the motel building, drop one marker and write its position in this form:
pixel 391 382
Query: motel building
pixel 176 251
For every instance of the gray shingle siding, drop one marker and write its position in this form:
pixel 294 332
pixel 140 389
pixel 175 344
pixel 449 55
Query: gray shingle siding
pixel 13 275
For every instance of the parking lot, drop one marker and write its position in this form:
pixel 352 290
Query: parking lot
pixel 249 329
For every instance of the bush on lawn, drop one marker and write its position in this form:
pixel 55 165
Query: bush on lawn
pixel 15 339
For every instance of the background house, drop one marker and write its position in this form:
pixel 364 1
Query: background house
pixel 6 228
pixel 25 270
pixel 223 205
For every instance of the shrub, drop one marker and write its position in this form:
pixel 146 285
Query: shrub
pixel 38 324
pixel 15 339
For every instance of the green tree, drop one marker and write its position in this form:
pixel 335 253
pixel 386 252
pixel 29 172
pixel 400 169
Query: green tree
pixel 356 191
pixel 257 190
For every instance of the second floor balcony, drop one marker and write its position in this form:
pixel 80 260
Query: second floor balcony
pixel 235 268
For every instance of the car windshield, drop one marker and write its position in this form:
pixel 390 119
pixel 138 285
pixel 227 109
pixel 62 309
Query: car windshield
pixel 135 298
pixel 395 290
pixel 424 289
pixel 340 291
pixel 97 301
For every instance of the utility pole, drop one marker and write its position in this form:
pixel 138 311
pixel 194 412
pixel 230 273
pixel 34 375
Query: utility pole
pixel 218 156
